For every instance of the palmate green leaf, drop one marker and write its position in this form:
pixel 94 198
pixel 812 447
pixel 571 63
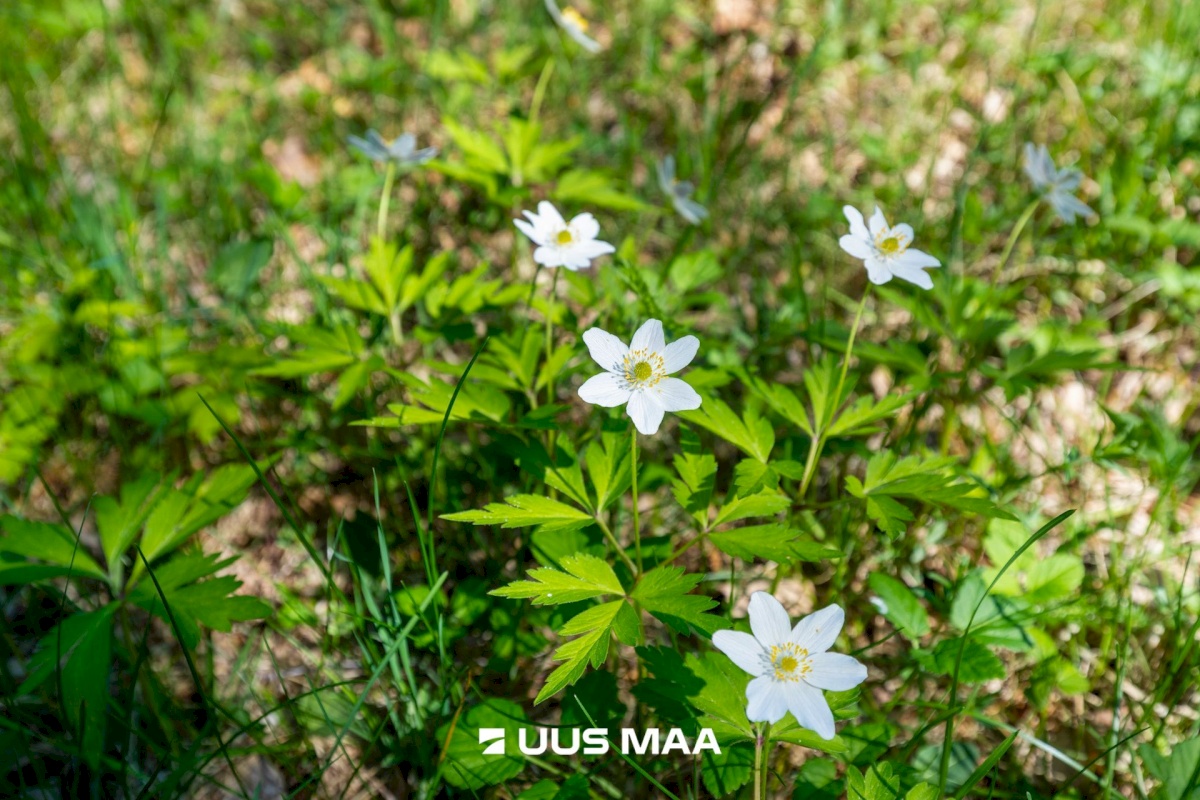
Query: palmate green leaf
pixel 120 521
pixel 925 480
pixel 608 468
pixel 179 513
pixel 752 434
pixel 195 601
pixel 44 542
pixel 585 576
pixel 785 402
pixel 592 629
pixel 476 402
pixel 772 542
pixel 752 476
pixel 356 294
pixel 80 650
pixel 694 488
pixel 903 609
pixel 861 417
pixel 764 504
pixel 590 188
pixel 665 593
pixel 387 265
pixel 522 510
pixel 481 150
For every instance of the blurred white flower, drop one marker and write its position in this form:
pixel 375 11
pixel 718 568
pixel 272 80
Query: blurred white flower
pixel 560 243
pixel 401 151
pixel 637 376
pixel 680 192
pixel 885 251
pixel 1057 186
pixel 575 26
pixel 790 665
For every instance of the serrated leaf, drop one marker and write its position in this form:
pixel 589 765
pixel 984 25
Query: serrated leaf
pixel 771 542
pixel 197 599
pixel 522 510
pixel 913 478
pixel 43 541
pixel 593 629
pixel 585 577
pixel 665 593
pixel 694 488
pixel 752 434
pixel 764 504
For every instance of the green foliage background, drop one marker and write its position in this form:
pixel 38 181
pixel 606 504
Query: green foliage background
pixel 280 497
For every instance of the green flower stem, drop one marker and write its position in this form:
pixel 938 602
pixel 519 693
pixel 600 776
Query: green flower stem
pixel 384 200
pixel 608 534
pixel 637 527
pixel 819 436
pixel 550 338
pixel 761 750
pixel 1012 238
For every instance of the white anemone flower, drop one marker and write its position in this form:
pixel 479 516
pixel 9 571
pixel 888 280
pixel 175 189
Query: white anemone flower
pixel 574 25
pixel 560 243
pixel 1057 186
pixel 402 150
pixel 637 376
pixel 885 251
pixel 680 192
pixel 791 665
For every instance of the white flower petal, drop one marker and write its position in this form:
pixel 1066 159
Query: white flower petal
pixel 527 229
pixel 605 390
pixel 817 632
pixel 765 700
pixel 914 275
pixel 904 231
pixel 836 672
pixel 810 709
pixel 877 222
pixel 593 248
pixel 769 619
pixel 859 248
pixel 1068 206
pixel 549 215
pixel 549 256
pixel 877 271
pixel 646 413
pixel 679 353
pixel 913 257
pixel 606 350
pixel 858 228
pixel 742 649
pixel 649 337
pixel 584 226
pixel 676 395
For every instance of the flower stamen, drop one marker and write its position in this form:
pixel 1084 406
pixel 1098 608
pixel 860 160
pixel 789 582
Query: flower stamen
pixel 575 18
pixel 564 237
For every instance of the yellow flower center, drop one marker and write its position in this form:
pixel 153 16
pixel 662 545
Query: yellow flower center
pixel 890 245
pixel 790 662
pixel 575 18
pixel 643 369
pixel 563 237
